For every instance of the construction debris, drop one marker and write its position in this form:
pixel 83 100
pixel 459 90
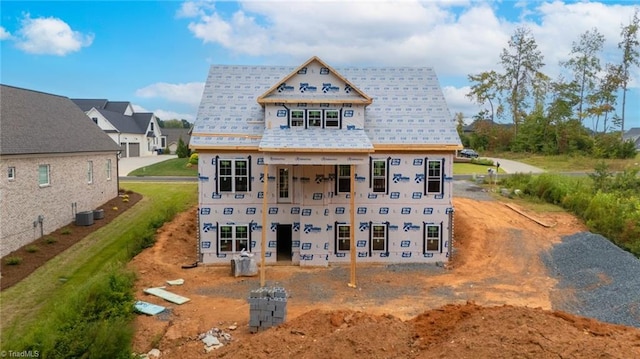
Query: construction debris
pixel 166 295
pixel 267 308
pixel 176 282
pixel 148 308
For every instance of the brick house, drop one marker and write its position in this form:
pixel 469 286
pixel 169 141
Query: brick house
pixel 54 163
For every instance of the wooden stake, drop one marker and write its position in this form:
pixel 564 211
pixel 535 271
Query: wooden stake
pixel 263 242
pixel 352 230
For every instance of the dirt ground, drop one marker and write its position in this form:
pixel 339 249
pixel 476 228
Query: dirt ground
pixel 493 300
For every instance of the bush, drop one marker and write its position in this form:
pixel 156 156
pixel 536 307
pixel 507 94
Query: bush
pixel 66 231
pixel 182 150
pixel 482 161
pixel 32 248
pixel 50 240
pixel 194 158
pixel 13 261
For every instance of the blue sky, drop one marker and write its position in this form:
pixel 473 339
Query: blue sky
pixel 156 54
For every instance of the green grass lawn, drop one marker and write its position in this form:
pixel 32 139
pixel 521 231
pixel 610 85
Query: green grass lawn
pixel 565 163
pixel 40 300
pixel 172 167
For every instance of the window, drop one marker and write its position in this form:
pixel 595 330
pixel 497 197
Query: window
pixel 11 175
pixel 297 118
pixel 344 237
pixel 43 175
pixel 95 120
pixel 434 177
pixel 344 179
pixel 379 175
pixel 331 118
pixel 379 237
pixel 432 238
pixel 233 175
pixel 151 126
pixel 315 118
pixel 109 169
pixel 234 238
pixel 89 171
pixel 284 182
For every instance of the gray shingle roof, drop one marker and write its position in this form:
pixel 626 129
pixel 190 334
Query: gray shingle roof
pixel 88 104
pixel 408 105
pixel 36 123
pixel 173 134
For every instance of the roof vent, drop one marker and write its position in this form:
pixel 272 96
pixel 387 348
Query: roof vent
pixel 84 218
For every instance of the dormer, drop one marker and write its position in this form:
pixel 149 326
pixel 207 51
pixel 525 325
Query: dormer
pixel 314 95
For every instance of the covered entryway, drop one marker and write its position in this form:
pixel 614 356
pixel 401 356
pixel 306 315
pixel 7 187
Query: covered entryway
pixel 283 242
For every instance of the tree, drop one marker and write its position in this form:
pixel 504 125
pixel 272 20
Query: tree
pixel 173 124
pixel 585 65
pixel 603 100
pixel 485 89
pixel 182 151
pixel 630 57
pixel 522 62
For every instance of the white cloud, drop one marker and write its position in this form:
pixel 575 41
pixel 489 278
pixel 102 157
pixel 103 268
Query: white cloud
pixel 165 114
pixel 50 36
pixel 457 38
pixel 189 93
pixel 4 34
pixel 459 102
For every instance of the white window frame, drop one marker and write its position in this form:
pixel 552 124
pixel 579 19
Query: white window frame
pixel 312 119
pixel 431 238
pixel 327 120
pixel 234 176
pixel 433 178
pixel 11 173
pixel 343 238
pixel 377 238
pixel 47 169
pixel 285 182
pixel 89 172
pixel 108 169
pixel 234 243
pixel 340 178
pixel 377 177
pixel 298 121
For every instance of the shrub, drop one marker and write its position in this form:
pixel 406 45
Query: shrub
pixel 194 158
pixel 482 161
pixel 50 240
pixel 32 248
pixel 66 231
pixel 13 261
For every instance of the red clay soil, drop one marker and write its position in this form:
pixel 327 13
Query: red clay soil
pixel 34 254
pixel 493 300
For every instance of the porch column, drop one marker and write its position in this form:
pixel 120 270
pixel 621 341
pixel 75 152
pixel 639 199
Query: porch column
pixel 263 242
pixel 352 230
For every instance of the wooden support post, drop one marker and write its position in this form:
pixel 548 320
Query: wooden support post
pixel 263 242
pixel 352 230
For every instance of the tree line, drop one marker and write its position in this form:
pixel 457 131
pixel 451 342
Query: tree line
pixel 576 114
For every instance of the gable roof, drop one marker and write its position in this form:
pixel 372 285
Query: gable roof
pixel 408 107
pixel 174 134
pixel 632 133
pixel 37 123
pixel 87 104
pixel 264 98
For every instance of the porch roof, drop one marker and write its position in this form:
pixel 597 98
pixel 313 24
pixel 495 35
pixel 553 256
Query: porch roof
pixel 315 140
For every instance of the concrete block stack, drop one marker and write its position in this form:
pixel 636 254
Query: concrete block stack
pixel 267 308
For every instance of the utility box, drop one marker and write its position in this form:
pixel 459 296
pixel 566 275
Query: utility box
pixel 84 218
pixel 98 214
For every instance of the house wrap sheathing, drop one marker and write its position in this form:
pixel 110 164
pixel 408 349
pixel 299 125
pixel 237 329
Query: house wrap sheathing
pixel 324 165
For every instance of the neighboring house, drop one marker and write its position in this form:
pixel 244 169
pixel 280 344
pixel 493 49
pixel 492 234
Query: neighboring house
pixel 137 132
pixel 633 135
pixel 324 163
pixel 173 135
pixel 54 163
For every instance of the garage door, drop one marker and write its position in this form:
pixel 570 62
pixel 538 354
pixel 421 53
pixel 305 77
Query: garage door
pixel 123 145
pixel 134 150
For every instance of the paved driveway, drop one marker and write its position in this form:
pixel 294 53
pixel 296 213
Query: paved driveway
pixel 128 164
pixel 510 166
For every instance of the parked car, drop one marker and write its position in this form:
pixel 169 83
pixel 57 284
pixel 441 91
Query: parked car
pixel 468 153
